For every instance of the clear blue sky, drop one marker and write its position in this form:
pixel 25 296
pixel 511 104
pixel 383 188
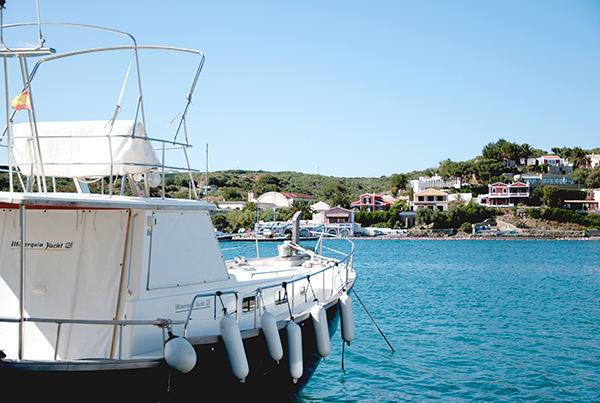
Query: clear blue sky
pixel 356 88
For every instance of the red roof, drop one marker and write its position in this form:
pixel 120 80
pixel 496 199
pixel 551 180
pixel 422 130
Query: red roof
pixel 295 195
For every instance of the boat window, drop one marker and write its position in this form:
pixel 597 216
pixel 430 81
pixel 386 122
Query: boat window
pixel 281 298
pixel 184 250
pixel 249 304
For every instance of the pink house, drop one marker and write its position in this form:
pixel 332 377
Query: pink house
pixel 338 215
pixel 371 202
pixel 502 194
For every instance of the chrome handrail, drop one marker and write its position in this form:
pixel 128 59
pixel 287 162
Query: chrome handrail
pixel 161 323
pixel 210 294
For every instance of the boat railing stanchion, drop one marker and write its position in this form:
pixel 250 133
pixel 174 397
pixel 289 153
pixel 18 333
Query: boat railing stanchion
pixel 22 285
pixel 58 327
pixel 163 171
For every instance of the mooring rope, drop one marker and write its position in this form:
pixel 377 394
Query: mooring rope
pixel 315 299
pixel 373 320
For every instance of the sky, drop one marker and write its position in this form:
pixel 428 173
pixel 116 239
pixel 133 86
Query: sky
pixel 338 88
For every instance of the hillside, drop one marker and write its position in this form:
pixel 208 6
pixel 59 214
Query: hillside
pixel 235 184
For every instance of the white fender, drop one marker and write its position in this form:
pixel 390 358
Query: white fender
pixel 319 317
pixel 347 317
pixel 232 338
pixel 269 327
pixel 294 338
pixel 180 354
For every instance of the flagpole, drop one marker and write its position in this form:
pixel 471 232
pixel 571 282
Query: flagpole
pixel 8 129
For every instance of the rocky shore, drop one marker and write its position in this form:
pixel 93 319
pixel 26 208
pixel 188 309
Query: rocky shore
pixel 504 227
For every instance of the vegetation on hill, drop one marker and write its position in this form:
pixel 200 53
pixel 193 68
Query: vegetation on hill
pixel 474 174
pixel 591 220
pixel 456 217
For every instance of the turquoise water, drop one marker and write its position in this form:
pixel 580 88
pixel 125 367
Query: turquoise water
pixel 490 320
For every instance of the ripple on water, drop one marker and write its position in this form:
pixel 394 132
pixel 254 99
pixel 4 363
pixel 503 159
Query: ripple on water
pixel 470 321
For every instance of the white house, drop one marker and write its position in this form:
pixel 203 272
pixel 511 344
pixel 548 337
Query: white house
pixel 419 185
pixel 281 199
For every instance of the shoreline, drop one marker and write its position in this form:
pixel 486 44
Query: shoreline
pixel 476 238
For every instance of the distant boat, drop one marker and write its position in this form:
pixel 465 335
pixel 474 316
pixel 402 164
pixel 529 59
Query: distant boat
pixel 129 297
pixel 223 236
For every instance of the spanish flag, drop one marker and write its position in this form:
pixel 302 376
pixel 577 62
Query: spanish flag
pixel 21 101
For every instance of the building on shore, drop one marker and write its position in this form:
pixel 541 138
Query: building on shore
pixel 436 181
pixel 505 194
pixel 371 202
pixel 334 221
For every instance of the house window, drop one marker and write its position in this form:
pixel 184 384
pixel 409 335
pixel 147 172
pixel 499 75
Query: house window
pixel 421 198
pixel 503 190
pixel 367 200
pixel 440 198
pixel 493 190
pixel 429 198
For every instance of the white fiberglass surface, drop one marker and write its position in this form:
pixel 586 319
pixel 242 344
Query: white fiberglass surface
pixel 73 266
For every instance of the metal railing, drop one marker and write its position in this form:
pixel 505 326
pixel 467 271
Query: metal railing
pixel 161 323
pixel 28 77
pixel 343 265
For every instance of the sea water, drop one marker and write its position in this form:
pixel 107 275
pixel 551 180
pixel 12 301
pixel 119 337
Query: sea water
pixel 469 320
pixel 485 320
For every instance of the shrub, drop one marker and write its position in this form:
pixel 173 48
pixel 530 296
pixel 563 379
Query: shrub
pixel 521 224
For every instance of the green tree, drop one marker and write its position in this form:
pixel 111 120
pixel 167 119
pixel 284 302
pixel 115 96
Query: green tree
pixel 399 182
pixel 304 207
pixel 231 194
pixel 512 151
pixel 424 216
pixel 579 158
pixel 493 151
pixel 488 170
pixel 593 178
pixel 552 197
pixel 526 152
pixel 457 170
pixel 219 220
pixel 268 183
pixel 336 194
pixel 580 176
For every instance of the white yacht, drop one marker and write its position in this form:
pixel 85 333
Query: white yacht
pixel 118 290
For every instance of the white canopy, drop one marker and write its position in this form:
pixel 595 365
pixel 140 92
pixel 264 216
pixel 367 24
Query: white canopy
pixel 83 149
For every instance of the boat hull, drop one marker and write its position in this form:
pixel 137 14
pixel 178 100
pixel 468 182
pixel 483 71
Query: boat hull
pixel 153 380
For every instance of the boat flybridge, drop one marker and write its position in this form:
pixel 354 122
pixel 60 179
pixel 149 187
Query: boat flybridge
pixel 114 287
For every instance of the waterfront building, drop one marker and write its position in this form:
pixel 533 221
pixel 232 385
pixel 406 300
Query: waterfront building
pixel 535 179
pixel 503 194
pixel 371 202
pixel 281 199
pixel 430 198
pixel 336 221
pixel 436 181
